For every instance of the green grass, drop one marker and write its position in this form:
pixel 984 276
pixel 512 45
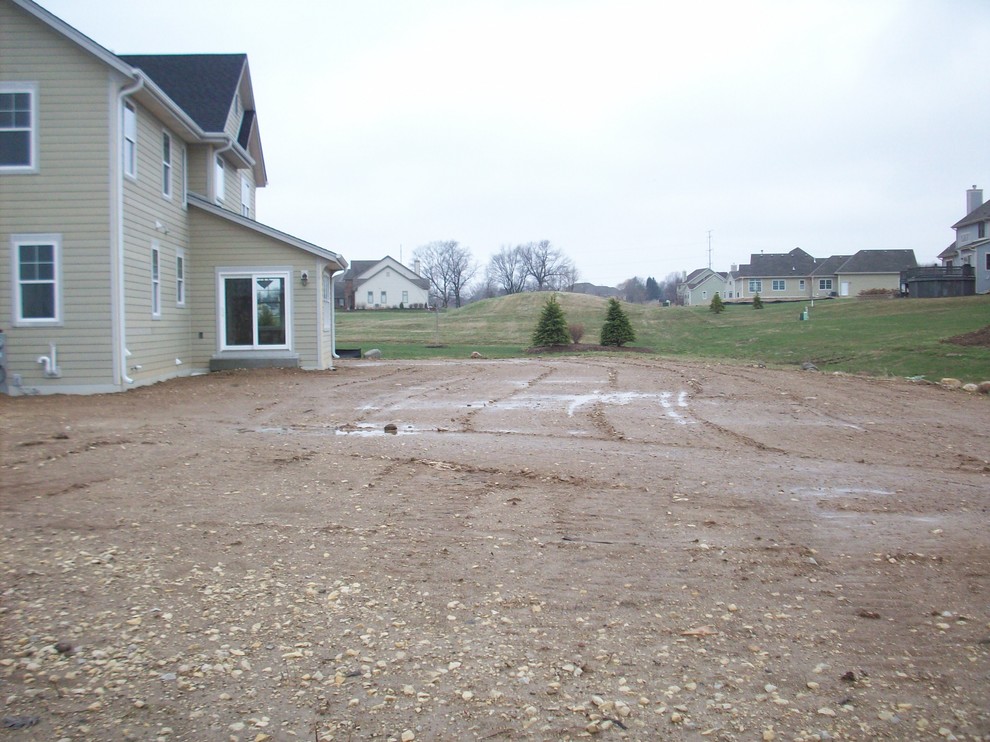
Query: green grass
pixel 883 337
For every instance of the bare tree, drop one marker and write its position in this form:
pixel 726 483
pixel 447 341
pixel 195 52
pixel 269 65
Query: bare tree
pixel 506 270
pixel 544 263
pixel 448 267
pixel 633 290
pixel 668 287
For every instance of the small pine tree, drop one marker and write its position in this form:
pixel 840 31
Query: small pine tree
pixel 552 327
pixel 717 305
pixel 616 329
pixel 757 301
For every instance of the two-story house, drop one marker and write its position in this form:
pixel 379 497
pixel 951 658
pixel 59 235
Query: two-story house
pixel 700 286
pixel 128 212
pixel 972 244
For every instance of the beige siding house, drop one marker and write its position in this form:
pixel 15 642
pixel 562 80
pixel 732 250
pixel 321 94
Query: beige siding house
pixel 128 211
pixel 796 275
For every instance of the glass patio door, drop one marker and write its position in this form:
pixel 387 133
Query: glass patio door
pixel 255 311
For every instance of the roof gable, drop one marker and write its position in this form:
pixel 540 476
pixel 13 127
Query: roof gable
pixel 794 263
pixel 879 261
pixel 203 85
pixel 980 214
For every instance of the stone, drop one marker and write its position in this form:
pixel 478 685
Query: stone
pixel 983 387
pixel 374 354
pixel 950 383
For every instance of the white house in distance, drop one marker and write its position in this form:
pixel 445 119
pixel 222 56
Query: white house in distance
pixel 972 244
pixel 128 217
pixel 382 284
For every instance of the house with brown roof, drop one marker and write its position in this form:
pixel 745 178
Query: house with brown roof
pixel 128 211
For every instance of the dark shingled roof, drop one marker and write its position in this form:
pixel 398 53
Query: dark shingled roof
pixel 980 214
pixel 879 261
pixel 829 266
pixel 950 250
pixel 794 263
pixel 203 85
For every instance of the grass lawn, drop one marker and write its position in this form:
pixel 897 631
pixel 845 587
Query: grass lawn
pixel 880 337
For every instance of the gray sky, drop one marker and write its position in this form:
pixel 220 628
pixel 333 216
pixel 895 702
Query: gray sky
pixel 622 131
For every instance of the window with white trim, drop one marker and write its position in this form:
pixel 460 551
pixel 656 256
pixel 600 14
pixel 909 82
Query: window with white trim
pixel 371 298
pixel 219 179
pixel 37 278
pixel 987 256
pixel 384 301
pixel 755 286
pixel 824 284
pixel 180 277
pixel 130 141
pixel 156 281
pixel 779 284
pixel 166 165
pixel 255 310
pixel 405 298
pixel 801 285
pixel 245 196
pixel 18 127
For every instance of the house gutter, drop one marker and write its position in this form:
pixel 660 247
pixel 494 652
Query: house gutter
pixel 118 309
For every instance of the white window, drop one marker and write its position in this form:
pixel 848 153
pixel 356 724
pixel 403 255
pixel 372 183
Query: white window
pixel 755 286
pixel 166 165
pixel 156 281
pixel 255 310
pixel 405 298
pixel 371 298
pixel 384 301
pixel 18 127
pixel 824 284
pixel 779 284
pixel 37 282
pixel 180 277
pixel 219 179
pixel 245 196
pixel 130 140
pixel 801 285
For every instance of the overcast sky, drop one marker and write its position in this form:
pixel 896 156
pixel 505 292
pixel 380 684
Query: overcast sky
pixel 621 131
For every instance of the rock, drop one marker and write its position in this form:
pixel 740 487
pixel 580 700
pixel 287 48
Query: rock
pixel 374 353
pixel 808 366
pixel 476 354
pixel 391 428
pixel 971 388
pixel 950 383
pixel 983 387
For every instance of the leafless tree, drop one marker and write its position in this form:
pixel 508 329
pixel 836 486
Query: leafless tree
pixel 506 270
pixel 633 290
pixel 545 264
pixel 448 267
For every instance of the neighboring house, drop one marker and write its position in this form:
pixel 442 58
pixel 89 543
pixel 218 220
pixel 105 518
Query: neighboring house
pixel 128 209
pixel 797 275
pixel 972 244
pixel 382 284
pixel 700 286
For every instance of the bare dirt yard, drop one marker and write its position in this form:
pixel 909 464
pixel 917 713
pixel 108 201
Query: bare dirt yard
pixel 550 548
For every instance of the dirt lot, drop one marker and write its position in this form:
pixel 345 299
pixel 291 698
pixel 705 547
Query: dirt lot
pixel 546 548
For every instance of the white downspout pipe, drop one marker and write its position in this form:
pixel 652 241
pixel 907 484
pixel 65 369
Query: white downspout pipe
pixel 333 321
pixel 216 153
pixel 117 274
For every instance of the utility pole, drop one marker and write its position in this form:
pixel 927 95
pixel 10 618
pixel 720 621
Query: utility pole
pixel 709 249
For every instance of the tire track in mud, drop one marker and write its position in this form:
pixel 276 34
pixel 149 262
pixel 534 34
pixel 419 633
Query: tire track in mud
pixel 468 419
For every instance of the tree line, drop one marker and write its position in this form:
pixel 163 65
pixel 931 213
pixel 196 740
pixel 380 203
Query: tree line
pixel 534 266
pixel 456 278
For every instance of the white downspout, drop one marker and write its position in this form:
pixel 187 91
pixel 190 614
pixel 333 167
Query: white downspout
pixel 117 274
pixel 333 321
